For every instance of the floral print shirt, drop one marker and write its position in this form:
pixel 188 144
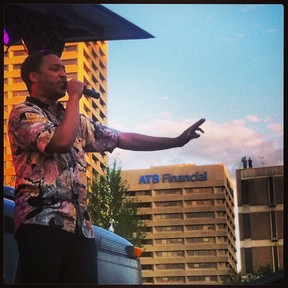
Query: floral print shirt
pixel 51 189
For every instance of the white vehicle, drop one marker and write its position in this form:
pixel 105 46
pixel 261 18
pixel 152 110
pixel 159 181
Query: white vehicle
pixel 118 260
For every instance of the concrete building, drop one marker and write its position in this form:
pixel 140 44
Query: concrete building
pixel 84 61
pixel 260 201
pixel 189 214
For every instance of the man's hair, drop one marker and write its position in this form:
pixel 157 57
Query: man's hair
pixel 32 64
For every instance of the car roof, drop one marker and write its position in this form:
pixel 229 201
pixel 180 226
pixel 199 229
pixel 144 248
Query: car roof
pixel 9 192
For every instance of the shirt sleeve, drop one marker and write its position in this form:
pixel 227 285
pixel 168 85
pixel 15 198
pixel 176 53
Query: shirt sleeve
pixel 100 138
pixel 29 129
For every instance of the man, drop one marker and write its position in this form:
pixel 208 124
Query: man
pixel 53 229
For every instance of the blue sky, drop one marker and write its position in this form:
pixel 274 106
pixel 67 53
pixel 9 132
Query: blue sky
pixel 220 62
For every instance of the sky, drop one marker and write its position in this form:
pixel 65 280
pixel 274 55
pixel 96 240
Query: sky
pixel 221 62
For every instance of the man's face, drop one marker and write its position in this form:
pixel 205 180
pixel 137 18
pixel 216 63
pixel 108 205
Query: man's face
pixel 52 78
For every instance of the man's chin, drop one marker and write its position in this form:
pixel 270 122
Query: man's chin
pixel 59 95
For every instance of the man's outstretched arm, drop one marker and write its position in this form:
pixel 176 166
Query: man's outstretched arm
pixel 140 142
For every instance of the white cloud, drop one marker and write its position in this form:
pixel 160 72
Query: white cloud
pixel 276 127
pixel 221 143
pixel 255 118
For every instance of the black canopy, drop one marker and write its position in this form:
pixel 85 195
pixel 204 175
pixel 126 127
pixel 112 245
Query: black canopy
pixel 53 23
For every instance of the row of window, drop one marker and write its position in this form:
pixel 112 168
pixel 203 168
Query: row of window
pixel 186 203
pixel 187 215
pixel 177 191
pixel 186 228
pixel 212 252
pixel 171 241
pixel 182 253
pixel 181 266
pixel 180 279
pixel 189 240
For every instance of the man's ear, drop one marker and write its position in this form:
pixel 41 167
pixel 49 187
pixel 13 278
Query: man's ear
pixel 33 76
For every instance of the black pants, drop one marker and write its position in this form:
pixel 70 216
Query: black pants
pixel 51 255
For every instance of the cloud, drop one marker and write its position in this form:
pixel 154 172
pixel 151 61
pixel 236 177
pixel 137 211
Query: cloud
pixel 276 127
pixel 223 143
pixel 255 118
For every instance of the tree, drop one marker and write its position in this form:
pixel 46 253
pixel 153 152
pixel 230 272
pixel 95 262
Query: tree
pixel 231 278
pixel 237 278
pixel 112 208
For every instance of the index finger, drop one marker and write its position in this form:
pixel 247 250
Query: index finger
pixel 200 122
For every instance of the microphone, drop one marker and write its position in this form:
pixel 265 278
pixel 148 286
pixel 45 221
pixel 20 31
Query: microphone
pixel 91 93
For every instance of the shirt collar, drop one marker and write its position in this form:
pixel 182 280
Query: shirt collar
pixel 42 104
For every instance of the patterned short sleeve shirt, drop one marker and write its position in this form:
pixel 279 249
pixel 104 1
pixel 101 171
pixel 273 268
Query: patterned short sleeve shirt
pixel 51 189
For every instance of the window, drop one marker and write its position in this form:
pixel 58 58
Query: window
pixel 144 205
pixel 199 202
pixel 143 193
pixel 146 254
pixel 220 202
pixel 222 252
pixel 200 215
pixel 168 228
pixel 195 227
pixel 200 227
pixel 169 241
pixel 221 226
pixel 199 190
pixel 70 48
pixel 201 240
pixel 201 252
pixel 169 204
pixel 222 265
pixel 147 241
pixel 246 225
pixel 196 278
pixel 222 239
pixel 17 80
pixel 273 225
pixel 168 216
pixel 147 267
pixel 147 280
pixel 172 279
pixel 220 213
pixel 244 192
pixel 169 266
pixel 204 265
pixel 168 192
pixel 271 191
pixel 169 254
pixel 275 258
pixel 19 93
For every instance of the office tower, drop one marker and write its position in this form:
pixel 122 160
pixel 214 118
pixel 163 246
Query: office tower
pixel 189 215
pixel 260 201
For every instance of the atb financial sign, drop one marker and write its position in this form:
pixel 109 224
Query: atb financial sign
pixel 170 178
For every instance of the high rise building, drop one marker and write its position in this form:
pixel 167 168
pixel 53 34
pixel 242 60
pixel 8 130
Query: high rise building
pixel 189 215
pixel 260 201
pixel 86 61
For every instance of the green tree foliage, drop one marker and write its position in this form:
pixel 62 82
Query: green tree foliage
pixel 231 278
pixel 237 278
pixel 111 208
